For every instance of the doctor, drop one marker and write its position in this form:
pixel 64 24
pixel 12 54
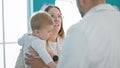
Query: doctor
pixel 94 42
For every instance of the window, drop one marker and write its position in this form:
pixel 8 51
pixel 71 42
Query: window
pixel 13 24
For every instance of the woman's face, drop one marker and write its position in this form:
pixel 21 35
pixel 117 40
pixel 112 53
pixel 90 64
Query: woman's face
pixel 57 18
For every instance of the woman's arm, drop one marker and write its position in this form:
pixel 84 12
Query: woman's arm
pixel 35 62
pixel 38 63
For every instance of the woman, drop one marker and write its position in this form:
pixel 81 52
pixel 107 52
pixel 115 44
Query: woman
pixel 55 42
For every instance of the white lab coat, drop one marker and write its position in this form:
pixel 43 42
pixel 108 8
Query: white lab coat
pixel 94 42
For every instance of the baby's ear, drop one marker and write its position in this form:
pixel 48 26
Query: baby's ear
pixel 36 31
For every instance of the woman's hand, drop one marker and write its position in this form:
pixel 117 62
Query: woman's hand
pixel 35 62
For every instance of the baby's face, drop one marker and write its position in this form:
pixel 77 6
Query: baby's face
pixel 44 33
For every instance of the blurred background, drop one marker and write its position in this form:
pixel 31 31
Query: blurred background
pixel 14 22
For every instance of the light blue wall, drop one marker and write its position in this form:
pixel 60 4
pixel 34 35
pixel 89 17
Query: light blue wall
pixel 29 13
pixel 37 4
pixel 114 2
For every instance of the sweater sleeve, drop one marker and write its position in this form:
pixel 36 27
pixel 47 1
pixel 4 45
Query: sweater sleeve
pixel 39 46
